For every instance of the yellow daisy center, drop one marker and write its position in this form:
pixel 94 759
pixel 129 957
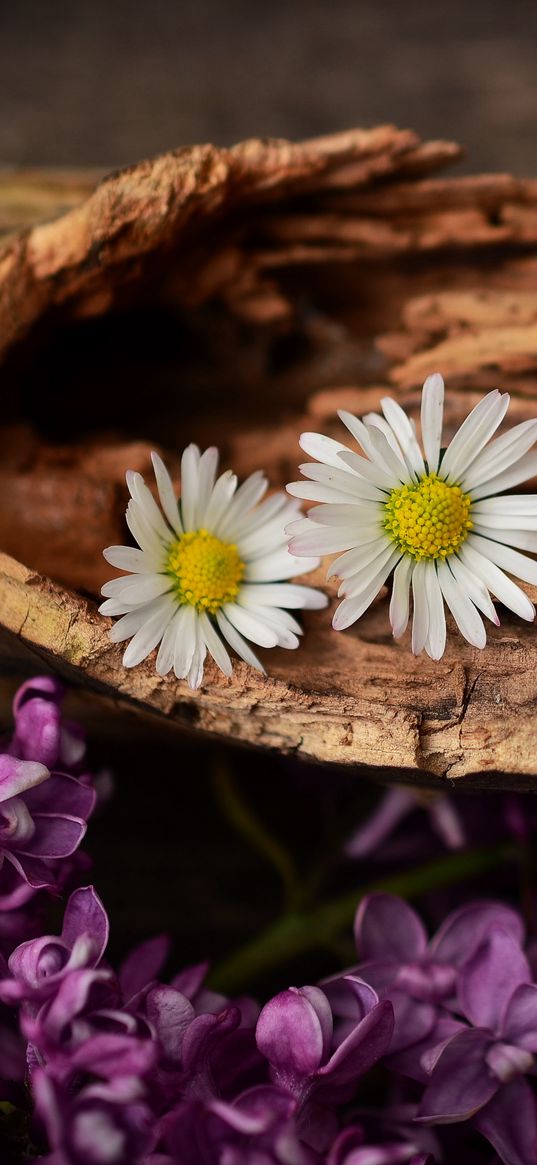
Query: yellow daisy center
pixel 205 571
pixel 429 519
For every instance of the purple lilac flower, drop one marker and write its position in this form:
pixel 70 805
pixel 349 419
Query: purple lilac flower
pixel 418 976
pixel 43 808
pixel 40 732
pixel 295 1033
pixel 482 1070
pixel 92 1128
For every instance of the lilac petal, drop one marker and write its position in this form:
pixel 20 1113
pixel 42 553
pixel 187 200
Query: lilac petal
pixel 16 776
pixel 54 836
pixel 461 1083
pixel 349 996
pixel 386 927
pixel 414 1019
pixel 38 731
pixel 86 915
pixel 509 1122
pixel 63 794
pixel 71 998
pixel 489 978
pixel 290 1032
pixel 33 870
pixel 170 1013
pixel 396 804
pixel 520 1020
pixel 202 1035
pixel 143 965
pixel 112 1055
pixel 189 981
pixel 363 1047
pixel 256 1109
pixel 464 929
pixel 38 685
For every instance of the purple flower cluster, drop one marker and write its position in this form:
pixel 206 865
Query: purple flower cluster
pixel 422 1053
pixel 46 797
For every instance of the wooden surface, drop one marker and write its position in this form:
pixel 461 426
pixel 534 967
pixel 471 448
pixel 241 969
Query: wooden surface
pixel 293 279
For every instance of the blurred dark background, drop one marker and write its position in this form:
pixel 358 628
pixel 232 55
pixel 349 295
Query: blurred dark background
pixel 107 82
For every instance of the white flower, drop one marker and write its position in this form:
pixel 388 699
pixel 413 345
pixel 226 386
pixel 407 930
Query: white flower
pixel 209 569
pixel 434 518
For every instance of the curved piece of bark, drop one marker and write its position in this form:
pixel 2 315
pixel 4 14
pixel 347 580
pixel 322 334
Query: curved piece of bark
pixel 361 700
pixel 306 277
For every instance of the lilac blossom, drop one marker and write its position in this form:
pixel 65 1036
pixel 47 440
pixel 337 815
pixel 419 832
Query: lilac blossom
pixel 92 1128
pixel 482 1070
pixel 420 977
pixel 295 1033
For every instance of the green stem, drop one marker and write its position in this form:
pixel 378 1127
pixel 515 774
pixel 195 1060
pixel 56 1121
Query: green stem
pixel 244 820
pixel 296 933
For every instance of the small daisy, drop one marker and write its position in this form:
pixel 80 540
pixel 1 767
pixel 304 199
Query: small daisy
pixel 209 569
pixel 436 519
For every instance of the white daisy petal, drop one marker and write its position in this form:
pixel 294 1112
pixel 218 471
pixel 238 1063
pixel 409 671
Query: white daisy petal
pixel 185 641
pixel 142 496
pixel 372 565
pixel 351 609
pixel 189 486
pixel 508 559
pixel 149 634
pixel 219 500
pixel 499 521
pixel 208 465
pixel 166 494
pixel 382 478
pixel 497 582
pixel 353 560
pixel 375 421
pixel 237 642
pixel 166 651
pixel 501 453
pixel 435 643
pixel 512 506
pixel 473 434
pixel 323 449
pixel 401 426
pixel 323 540
pixel 400 600
pixel 117 607
pixel 347 513
pixel 420 621
pixel 284 595
pixel 129 624
pixel 235 520
pixel 195 671
pixel 140 589
pixel 475 589
pixel 466 616
pixel 401 471
pixel 342 478
pixel 522 470
pixel 215 645
pixel 285 627
pixel 130 558
pixel 246 624
pixel 523 539
pixel 144 533
pixel 432 416
pixel 278 566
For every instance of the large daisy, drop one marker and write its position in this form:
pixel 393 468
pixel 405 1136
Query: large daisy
pixel 210 571
pixel 440 520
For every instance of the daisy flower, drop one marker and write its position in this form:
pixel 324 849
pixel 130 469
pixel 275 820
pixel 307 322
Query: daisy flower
pixel 209 570
pixel 439 519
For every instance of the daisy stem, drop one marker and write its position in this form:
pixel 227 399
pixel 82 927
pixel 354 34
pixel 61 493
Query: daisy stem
pixel 295 933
